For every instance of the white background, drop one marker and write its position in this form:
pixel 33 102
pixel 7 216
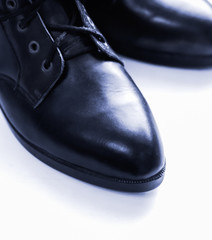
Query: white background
pixel 37 202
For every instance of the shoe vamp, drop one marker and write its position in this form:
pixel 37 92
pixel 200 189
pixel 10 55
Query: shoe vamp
pixel 95 112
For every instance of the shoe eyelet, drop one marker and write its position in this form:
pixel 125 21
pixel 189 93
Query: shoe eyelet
pixel 19 28
pixel 34 47
pixel 46 68
pixel 11 5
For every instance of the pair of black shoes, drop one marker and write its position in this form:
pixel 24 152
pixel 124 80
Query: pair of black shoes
pixel 67 96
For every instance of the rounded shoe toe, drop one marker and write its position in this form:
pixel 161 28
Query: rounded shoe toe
pixel 166 32
pixel 113 134
pixel 138 156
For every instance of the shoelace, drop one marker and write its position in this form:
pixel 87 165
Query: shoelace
pixel 29 12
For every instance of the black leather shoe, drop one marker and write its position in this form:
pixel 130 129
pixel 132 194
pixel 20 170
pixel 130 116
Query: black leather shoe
pixel 176 32
pixel 69 100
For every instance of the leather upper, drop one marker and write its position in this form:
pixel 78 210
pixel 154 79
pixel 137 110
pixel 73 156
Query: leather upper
pixel 172 26
pixel 93 115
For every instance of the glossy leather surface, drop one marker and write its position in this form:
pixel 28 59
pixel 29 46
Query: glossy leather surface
pixel 178 30
pixel 94 117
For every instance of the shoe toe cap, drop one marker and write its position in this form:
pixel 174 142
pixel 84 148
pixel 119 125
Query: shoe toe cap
pixel 137 157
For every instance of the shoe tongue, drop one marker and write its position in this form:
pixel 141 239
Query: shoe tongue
pixel 65 12
pixel 53 12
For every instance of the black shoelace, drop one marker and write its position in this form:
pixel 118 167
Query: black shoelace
pixel 30 11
